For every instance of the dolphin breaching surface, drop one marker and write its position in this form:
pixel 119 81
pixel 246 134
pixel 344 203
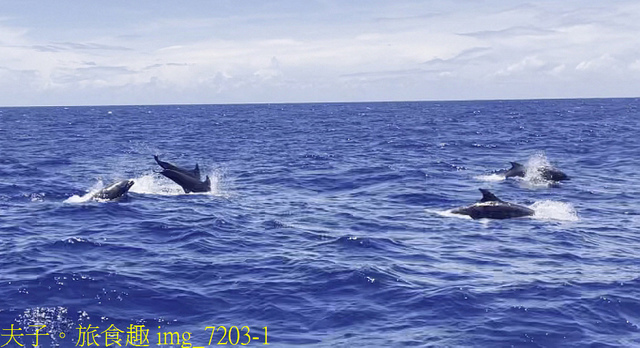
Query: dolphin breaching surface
pixel 189 180
pixel 114 191
pixel 320 174
pixel 491 207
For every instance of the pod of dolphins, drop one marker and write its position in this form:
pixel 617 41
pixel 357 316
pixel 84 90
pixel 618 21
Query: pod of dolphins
pixel 489 206
pixel 189 180
pixel 492 207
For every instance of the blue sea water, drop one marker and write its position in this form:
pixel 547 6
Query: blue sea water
pixel 328 224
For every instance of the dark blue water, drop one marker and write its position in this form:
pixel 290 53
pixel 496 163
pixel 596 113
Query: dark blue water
pixel 328 224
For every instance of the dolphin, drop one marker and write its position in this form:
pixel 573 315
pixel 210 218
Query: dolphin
pixel 516 169
pixel 552 174
pixel 492 207
pixel 114 191
pixel 166 165
pixel 547 173
pixel 188 182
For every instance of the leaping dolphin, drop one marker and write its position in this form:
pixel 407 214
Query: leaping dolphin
pixel 491 207
pixel 547 173
pixel 166 165
pixel 188 182
pixel 114 191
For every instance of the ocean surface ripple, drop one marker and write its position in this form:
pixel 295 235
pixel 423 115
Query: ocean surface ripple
pixel 329 224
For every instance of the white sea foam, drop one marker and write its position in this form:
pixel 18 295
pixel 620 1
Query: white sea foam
pixel 533 176
pixel 56 320
pixel 554 210
pixel 99 185
pixel 447 213
pixel 491 177
pixel 156 185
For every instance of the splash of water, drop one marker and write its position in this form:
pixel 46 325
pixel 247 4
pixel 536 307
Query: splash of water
pixel 491 177
pixel 56 320
pixel 533 166
pixel 554 210
pixel 448 213
pixel 99 185
pixel 155 185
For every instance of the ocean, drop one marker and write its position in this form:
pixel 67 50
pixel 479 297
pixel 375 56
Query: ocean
pixel 328 225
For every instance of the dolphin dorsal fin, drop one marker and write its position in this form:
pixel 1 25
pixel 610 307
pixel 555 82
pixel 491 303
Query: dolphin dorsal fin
pixel 488 196
pixel 516 165
pixel 207 180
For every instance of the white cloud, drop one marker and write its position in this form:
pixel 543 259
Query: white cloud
pixel 528 64
pixel 604 62
pixel 293 51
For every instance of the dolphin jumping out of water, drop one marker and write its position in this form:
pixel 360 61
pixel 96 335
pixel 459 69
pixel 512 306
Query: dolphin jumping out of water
pixel 166 165
pixel 492 207
pixel 114 191
pixel 547 173
pixel 188 182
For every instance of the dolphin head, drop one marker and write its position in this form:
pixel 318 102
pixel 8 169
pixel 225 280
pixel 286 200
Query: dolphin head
pixel 128 184
pixel 115 191
pixel 121 187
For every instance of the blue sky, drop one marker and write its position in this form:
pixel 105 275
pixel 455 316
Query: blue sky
pixel 164 52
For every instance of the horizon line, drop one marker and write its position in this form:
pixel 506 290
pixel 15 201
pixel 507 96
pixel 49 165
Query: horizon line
pixel 318 102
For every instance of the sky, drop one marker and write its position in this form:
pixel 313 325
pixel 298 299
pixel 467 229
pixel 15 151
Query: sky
pixel 118 52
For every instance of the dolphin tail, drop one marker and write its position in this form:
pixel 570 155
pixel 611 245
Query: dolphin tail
pixel 196 171
pixel 487 196
pixel 207 184
pixel 155 157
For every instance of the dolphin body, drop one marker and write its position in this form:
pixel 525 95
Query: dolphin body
pixel 114 191
pixel 491 207
pixel 188 182
pixel 516 169
pixel 547 173
pixel 166 165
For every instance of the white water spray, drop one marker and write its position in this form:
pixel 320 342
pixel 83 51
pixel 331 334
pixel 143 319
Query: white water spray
pixel 554 210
